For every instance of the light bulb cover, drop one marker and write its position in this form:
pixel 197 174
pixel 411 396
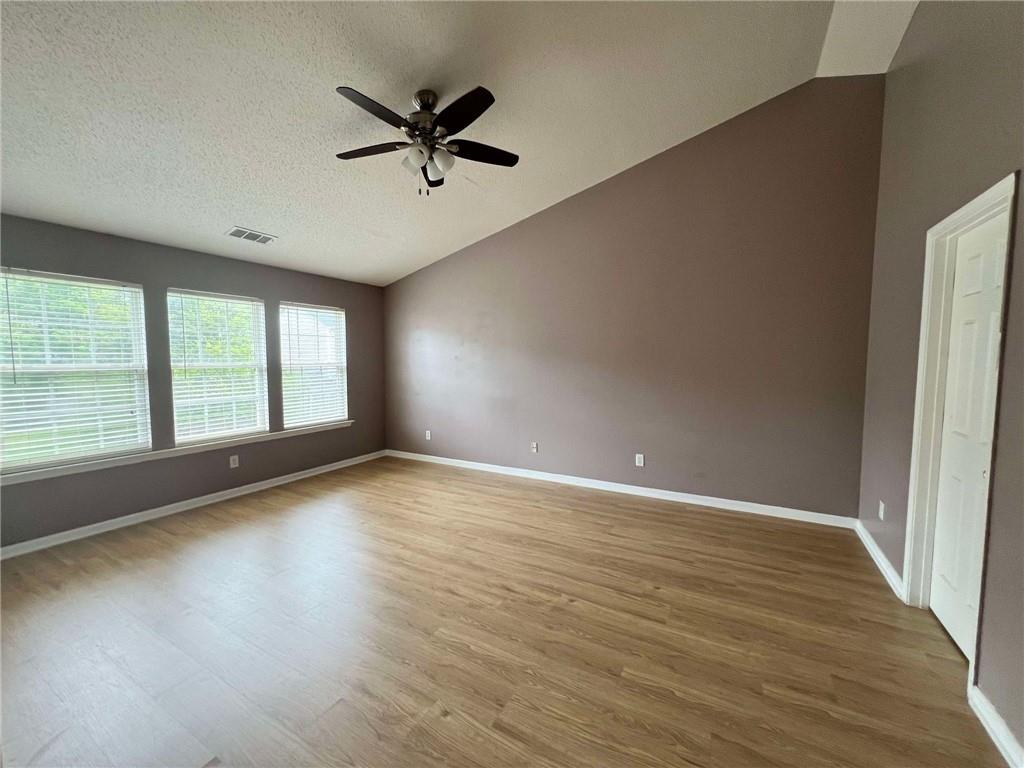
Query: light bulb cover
pixel 444 159
pixel 418 155
pixel 433 172
pixel 410 166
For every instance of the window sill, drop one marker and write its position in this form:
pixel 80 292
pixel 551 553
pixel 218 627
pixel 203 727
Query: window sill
pixel 43 473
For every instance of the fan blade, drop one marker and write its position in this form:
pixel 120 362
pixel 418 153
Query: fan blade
pixel 464 110
pixel 376 149
pixel 483 153
pixel 371 106
pixel 430 183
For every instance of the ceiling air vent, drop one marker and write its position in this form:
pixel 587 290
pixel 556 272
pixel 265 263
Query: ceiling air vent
pixel 252 235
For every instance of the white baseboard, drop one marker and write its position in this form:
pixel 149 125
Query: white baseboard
pixel 32 545
pixel 768 510
pixel 891 575
pixel 997 728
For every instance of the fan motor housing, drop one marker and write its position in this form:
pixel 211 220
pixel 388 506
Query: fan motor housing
pixel 425 100
pixel 422 122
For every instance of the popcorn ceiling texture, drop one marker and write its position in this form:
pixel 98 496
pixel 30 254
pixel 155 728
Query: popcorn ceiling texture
pixel 172 122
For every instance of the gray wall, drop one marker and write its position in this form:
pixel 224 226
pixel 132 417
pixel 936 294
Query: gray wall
pixel 707 307
pixel 954 125
pixel 48 506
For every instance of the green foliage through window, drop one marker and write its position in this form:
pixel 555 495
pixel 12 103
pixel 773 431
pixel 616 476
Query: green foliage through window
pixel 218 365
pixel 313 365
pixel 73 379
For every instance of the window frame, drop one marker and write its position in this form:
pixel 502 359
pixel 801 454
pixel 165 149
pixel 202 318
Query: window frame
pixel 344 315
pixel 95 462
pixel 103 456
pixel 221 437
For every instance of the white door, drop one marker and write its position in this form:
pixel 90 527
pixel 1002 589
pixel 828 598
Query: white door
pixel 968 421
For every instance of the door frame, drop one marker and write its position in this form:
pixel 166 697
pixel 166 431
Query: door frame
pixel 929 401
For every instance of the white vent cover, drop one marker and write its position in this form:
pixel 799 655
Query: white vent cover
pixel 251 235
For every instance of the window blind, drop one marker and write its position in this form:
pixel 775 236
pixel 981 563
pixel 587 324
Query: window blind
pixel 218 365
pixel 73 380
pixel 314 374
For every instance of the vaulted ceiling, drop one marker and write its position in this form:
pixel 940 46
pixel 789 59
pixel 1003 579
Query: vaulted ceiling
pixel 173 122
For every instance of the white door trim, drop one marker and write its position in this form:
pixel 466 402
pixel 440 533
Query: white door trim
pixel 929 404
pixel 931 368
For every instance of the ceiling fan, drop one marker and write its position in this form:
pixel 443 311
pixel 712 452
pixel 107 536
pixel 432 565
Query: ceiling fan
pixel 430 149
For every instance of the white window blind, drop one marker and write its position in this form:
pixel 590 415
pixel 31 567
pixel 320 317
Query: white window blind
pixel 218 365
pixel 72 370
pixel 314 375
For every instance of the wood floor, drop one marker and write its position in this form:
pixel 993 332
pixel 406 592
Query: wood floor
pixel 399 614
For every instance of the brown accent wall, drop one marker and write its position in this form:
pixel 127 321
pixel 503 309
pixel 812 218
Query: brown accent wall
pixel 49 506
pixel 707 307
pixel 954 126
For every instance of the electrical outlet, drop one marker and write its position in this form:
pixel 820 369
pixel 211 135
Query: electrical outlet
pixel 881 510
pixel 640 460
pixel 428 434
pixel 233 461
pixel 533 447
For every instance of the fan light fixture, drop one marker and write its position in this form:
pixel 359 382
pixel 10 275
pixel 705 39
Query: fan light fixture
pixel 411 167
pixel 443 159
pixel 418 155
pixel 434 173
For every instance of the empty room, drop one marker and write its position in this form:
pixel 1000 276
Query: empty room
pixel 512 384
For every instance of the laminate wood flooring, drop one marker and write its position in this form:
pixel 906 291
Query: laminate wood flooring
pixel 397 614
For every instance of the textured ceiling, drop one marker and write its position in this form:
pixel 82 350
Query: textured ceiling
pixel 172 122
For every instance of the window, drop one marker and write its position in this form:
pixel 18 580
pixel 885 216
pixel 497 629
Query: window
pixel 72 369
pixel 314 376
pixel 218 365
